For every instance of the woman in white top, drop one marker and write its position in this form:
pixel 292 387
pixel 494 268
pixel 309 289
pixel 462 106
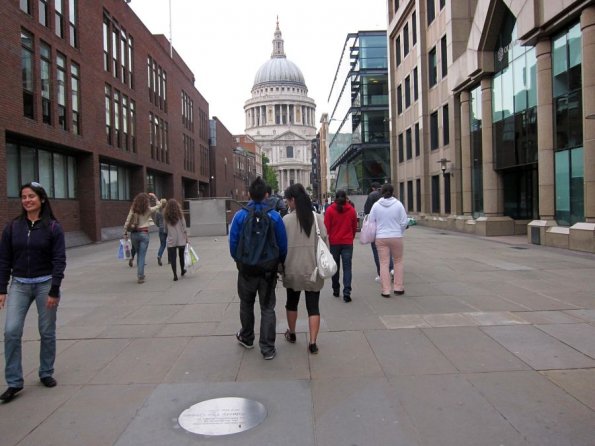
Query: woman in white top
pixel 177 236
pixel 391 221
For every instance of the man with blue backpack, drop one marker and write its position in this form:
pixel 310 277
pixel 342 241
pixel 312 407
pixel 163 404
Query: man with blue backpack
pixel 258 244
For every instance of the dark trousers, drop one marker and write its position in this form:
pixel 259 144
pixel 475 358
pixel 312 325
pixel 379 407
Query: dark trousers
pixel 248 286
pixel 171 256
pixel 342 255
pixel 377 260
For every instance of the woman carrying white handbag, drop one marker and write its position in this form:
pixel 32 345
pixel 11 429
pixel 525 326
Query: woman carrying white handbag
pixel 301 262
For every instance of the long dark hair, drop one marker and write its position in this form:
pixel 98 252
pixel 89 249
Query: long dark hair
pixel 340 199
pixel 387 190
pixel 172 213
pixel 141 203
pixel 303 206
pixel 45 214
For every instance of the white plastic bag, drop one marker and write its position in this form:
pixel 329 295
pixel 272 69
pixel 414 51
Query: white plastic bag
pixel 325 263
pixel 190 258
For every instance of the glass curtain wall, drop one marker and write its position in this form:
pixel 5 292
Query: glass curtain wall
pixel 568 126
pixel 514 115
pixel 476 153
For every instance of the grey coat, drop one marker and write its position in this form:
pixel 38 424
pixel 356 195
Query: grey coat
pixel 301 254
pixel 176 235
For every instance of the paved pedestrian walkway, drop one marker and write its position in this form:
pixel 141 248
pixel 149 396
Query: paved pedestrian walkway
pixel 492 344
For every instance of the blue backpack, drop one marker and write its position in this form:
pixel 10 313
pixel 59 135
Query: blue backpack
pixel 258 251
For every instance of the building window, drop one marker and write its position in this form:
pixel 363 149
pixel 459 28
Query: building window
pixel 417 141
pixel 132 124
pixel 442 4
pixel 444 57
pixel 415 85
pixel 26 6
pixel 61 90
pixel 27 74
pixel 43 13
pixel 402 191
pixel 118 51
pixel 55 171
pixel 106 43
pixel 398 50
pixel 73 21
pixel 396 5
pixel 407 92
pixel 115 182
pixel 568 126
pixel 108 114
pixel 59 18
pixel 447 193
pixel 45 69
pixel 431 11
pixel 399 99
pixel 408 144
pixel 400 147
pixel 409 196
pixel 413 28
pixel 117 119
pixel 75 89
pixel 435 194
pixel 434 130
pixel 418 195
pixel 432 74
pixel 445 129
pixel 289 152
pixel 405 40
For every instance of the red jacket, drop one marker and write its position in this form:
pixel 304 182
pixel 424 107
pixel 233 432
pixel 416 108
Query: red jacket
pixel 341 226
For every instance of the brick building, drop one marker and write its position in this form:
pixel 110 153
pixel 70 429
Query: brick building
pixel 97 109
pixel 222 145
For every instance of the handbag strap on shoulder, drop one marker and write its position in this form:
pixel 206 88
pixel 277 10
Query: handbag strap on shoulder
pixel 316 223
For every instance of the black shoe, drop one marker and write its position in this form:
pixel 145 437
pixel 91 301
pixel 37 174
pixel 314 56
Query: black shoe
pixel 346 298
pixel 385 295
pixel 48 381
pixel 131 263
pixel 183 272
pixel 10 393
pixel 175 278
pixel 313 348
pixel 336 293
pixel 243 342
pixel 399 293
pixel 290 337
pixel 159 261
pixel 270 355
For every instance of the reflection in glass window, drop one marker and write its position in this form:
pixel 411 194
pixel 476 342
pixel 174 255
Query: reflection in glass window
pixel 114 182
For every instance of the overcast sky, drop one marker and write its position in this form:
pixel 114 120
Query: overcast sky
pixel 225 42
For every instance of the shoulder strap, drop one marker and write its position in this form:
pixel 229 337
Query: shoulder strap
pixel 316 223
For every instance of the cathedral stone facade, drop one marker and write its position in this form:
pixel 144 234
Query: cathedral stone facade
pixel 280 117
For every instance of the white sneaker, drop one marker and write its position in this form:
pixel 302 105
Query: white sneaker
pixel 377 279
pixel 392 272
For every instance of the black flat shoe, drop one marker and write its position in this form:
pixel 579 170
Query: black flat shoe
pixel 290 337
pixel 313 348
pixel 48 381
pixel 159 262
pixel 385 295
pixel 346 299
pixel 399 293
pixel 10 393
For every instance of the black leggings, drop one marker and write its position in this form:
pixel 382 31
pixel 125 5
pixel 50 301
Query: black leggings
pixel 171 256
pixel 312 297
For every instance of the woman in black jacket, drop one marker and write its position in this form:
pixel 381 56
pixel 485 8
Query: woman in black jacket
pixel 33 252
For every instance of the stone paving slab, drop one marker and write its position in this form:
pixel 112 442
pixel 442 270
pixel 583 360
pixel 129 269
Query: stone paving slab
pixel 288 404
pixel 579 383
pixel 579 336
pixel 538 349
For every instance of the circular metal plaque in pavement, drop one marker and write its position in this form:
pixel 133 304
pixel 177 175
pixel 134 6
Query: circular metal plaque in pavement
pixel 222 416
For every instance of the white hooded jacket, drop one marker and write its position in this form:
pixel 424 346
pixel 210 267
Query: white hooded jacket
pixel 390 218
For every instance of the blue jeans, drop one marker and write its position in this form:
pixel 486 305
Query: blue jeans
pixel 162 241
pixel 140 243
pixel 377 260
pixel 342 255
pixel 19 299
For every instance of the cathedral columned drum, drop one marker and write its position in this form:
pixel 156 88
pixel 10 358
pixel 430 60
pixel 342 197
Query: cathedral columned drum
pixel 281 118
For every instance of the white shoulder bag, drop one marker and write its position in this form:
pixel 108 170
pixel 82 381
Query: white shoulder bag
pixel 325 264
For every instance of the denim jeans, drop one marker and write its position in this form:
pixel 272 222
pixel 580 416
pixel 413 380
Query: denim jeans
pixel 377 260
pixel 248 286
pixel 342 255
pixel 162 243
pixel 20 297
pixel 140 243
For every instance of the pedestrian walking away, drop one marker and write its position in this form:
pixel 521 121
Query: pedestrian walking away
pixel 391 221
pixel 137 224
pixel 340 220
pixel 301 262
pixel 373 197
pixel 33 252
pixel 177 235
pixel 258 244
pixel 158 219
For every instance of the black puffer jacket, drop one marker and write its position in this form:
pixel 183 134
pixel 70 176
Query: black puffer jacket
pixel 31 250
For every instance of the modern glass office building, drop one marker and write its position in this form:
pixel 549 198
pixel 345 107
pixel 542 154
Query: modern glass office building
pixel 492 116
pixel 358 122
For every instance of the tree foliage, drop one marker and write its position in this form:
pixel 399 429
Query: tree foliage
pixel 268 174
